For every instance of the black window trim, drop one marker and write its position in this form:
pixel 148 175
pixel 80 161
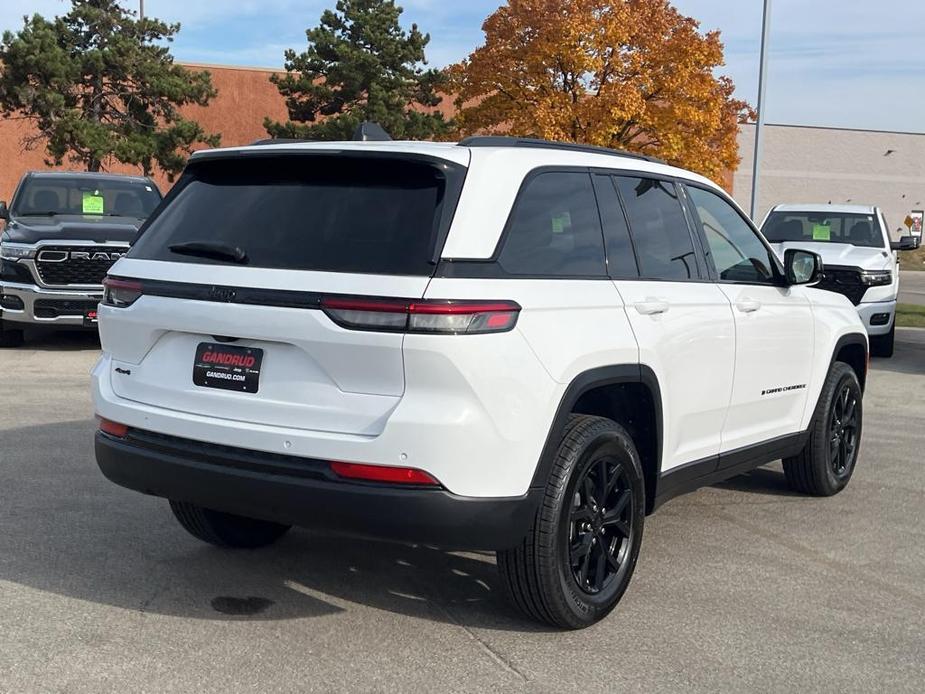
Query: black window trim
pixel 706 270
pixel 779 279
pixel 595 178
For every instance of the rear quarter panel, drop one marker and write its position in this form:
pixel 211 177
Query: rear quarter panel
pixel 514 386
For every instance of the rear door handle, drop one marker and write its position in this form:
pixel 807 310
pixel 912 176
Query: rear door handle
pixel 651 307
pixel 748 305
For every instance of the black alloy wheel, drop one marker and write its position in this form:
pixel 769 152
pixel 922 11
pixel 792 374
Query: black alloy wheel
pixel 600 528
pixel 577 559
pixel 843 431
pixel 833 444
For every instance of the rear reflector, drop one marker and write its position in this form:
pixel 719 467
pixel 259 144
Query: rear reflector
pixel 113 428
pixel 383 473
pixel 427 316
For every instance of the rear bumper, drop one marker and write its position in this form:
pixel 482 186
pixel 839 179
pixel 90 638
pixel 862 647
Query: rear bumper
pixel 51 307
pixel 305 492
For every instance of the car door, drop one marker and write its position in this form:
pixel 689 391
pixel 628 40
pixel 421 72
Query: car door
pixel 682 321
pixel 773 323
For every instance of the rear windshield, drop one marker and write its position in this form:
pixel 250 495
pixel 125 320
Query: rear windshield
pixel 328 213
pixel 48 195
pixel 821 227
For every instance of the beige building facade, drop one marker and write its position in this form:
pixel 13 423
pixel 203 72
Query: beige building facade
pixel 810 164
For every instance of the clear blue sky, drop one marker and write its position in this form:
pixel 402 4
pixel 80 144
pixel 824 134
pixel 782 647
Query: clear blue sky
pixel 849 63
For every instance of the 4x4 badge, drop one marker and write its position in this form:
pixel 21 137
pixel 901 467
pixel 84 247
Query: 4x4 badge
pixel 226 294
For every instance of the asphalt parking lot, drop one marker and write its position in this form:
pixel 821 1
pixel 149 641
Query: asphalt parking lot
pixel 912 287
pixel 740 587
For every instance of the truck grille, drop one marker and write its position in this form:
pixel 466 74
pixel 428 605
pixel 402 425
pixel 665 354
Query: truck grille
pixel 65 265
pixel 845 281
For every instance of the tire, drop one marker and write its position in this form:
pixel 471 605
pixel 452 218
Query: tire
pixel 549 576
pixel 225 529
pixel 10 337
pixel 826 463
pixel 882 345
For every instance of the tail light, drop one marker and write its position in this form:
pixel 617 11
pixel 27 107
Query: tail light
pixel 427 316
pixel 379 314
pixel 121 293
pixel 384 473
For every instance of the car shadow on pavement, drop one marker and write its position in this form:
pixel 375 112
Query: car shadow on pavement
pixel 61 340
pixel 67 530
pixel 769 481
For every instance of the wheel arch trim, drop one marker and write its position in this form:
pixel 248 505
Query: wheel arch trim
pixel 584 382
pixel 849 339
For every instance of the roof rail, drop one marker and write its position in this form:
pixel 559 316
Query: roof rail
pixel 504 141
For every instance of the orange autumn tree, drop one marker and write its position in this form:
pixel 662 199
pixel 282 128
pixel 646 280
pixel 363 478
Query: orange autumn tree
pixel 630 74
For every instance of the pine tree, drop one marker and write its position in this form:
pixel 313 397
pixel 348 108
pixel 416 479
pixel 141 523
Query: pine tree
pixel 100 85
pixel 360 65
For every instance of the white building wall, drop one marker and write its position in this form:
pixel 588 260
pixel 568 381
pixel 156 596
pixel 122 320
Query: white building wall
pixel 807 164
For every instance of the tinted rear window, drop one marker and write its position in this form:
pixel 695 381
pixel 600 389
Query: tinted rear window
pixel 310 212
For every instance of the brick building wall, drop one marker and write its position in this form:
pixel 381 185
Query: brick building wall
pixel 245 97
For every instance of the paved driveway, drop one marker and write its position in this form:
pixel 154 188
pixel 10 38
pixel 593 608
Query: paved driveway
pixel 740 587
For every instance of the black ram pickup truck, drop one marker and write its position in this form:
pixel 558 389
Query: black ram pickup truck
pixel 61 234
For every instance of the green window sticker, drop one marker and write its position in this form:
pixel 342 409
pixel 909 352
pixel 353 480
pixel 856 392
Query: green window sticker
pixel 92 203
pixel 822 232
pixel 561 222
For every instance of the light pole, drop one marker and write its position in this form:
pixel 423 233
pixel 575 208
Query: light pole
pixel 141 9
pixel 762 83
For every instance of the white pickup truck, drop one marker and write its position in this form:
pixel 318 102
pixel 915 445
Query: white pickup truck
pixel 859 258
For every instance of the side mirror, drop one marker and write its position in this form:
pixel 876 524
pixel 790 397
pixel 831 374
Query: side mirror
pixel 4 210
pixel 802 267
pixel 906 243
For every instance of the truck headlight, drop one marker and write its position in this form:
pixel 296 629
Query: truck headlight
pixel 12 251
pixel 876 278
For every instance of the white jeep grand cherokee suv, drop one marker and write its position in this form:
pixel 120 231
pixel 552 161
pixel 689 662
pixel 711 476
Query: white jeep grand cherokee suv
pixel 860 260
pixel 503 344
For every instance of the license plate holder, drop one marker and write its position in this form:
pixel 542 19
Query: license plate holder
pixel 228 367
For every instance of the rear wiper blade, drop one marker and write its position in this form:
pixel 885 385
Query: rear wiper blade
pixel 211 249
pixel 36 214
